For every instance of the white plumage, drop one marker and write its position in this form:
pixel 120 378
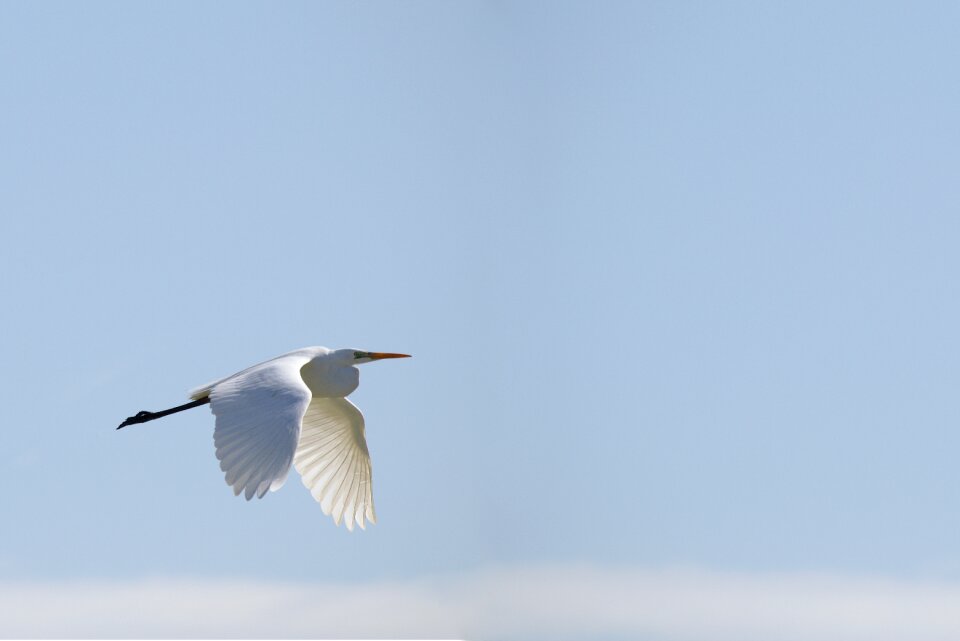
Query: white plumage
pixel 333 460
pixel 292 410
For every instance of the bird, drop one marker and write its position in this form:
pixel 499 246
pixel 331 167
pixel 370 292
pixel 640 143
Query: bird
pixel 288 411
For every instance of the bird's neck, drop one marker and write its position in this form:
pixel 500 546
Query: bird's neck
pixel 330 379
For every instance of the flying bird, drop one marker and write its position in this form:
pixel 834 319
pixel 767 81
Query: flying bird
pixel 292 410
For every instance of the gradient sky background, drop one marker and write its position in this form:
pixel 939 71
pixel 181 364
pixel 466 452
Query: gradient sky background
pixel 680 281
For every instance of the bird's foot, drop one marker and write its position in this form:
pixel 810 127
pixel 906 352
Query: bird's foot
pixel 140 417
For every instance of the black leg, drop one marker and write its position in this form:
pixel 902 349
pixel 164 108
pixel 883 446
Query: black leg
pixel 144 416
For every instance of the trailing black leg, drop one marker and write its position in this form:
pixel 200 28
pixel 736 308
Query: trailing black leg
pixel 144 416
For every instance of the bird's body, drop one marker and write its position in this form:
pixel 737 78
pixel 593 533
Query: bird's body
pixel 292 410
pixel 323 373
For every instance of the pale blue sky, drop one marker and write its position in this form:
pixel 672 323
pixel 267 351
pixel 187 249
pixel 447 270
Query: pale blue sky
pixel 679 279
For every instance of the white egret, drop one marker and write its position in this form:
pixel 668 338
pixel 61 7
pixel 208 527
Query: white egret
pixel 292 410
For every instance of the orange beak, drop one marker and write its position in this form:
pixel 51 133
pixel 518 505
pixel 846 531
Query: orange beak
pixel 378 355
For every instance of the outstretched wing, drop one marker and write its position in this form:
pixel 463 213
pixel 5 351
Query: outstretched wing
pixel 333 460
pixel 258 424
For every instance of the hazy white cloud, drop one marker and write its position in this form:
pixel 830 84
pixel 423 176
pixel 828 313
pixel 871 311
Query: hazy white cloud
pixel 566 602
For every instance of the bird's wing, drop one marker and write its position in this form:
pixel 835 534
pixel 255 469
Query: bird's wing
pixel 258 424
pixel 333 460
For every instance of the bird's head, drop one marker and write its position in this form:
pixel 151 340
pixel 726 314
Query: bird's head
pixel 358 356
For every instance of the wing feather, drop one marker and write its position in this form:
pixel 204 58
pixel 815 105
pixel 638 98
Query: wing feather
pixel 258 424
pixel 334 462
pixel 339 495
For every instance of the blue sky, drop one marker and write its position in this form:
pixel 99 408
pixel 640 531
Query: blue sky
pixel 679 279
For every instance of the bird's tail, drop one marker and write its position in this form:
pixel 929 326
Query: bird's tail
pixel 200 392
